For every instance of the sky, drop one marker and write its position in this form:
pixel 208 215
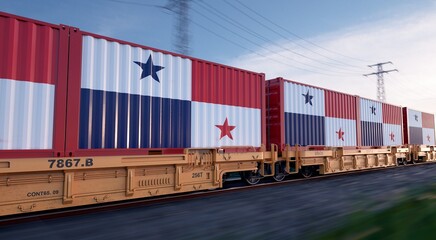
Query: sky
pixel 323 43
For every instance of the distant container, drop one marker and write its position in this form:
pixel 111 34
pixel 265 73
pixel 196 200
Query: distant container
pixel 33 78
pixel 392 125
pixel 306 115
pixel 380 123
pixel 131 99
pixel 371 120
pixel 419 127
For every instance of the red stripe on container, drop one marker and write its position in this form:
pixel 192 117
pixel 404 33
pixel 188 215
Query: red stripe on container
pixel 392 114
pixel 275 118
pixel 215 83
pixel 427 120
pixel 29 50
pixel 340 105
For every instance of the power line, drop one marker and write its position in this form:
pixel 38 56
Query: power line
pixel 259 45
pixel 235 23
pixel 301 38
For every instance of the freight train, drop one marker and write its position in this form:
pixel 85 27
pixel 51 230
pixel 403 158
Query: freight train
pixel 87 119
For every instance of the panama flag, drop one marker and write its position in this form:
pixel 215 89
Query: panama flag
pixel 133 97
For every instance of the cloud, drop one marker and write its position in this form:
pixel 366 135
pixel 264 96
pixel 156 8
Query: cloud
pixel 408 41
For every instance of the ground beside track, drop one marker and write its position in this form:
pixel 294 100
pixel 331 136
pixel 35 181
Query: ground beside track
pixel 289 211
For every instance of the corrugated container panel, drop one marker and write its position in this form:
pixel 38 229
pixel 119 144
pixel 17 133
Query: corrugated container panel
pixel 304 129
pixel 275 112
pixel 370 111
pixel 214 83
pixel 414 118
pixel 32 78
pixel 372 133
pixel 340 105
pixel 227 104
pixel 392 134
pixel 428 136
pixel 427 120
pixel 392 114
pixel 134 98
pixel 216 125
pixel 303 99
pixel 340 132
pixel 418 127
pixel 415 135
pixel 392 121
pixel 340 122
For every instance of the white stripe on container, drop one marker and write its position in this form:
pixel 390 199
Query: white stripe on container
pixel 109 66
pixel 27 115
pixel 205 117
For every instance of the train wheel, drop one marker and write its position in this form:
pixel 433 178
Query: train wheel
pixel 279 172
pixel 414 161
pixel 252 177
pixel 404 162
pixel 307 171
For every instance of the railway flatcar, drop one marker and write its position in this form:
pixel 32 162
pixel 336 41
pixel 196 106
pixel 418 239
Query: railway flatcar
pixel 87 119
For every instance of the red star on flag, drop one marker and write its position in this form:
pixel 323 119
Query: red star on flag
pixel 392 135
pixel 226 129
pixel 340 134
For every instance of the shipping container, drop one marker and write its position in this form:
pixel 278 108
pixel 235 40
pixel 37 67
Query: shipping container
pixel 380 123
pixel 300 114
pixel 418 127
pixel 131 99
pixel 33 83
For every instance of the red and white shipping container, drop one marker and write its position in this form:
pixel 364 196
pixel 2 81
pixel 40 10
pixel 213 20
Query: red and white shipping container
pixel 419 127
pixel 33 85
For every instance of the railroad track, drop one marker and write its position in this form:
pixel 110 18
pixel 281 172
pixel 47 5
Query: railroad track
pixel 114 206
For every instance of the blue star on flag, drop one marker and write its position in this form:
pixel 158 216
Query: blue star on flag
pixel 373 110
pixel 416 117
pixel 308 98
pixel 149 68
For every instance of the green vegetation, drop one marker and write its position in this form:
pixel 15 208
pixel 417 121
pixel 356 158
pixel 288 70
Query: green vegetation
pixel 413 217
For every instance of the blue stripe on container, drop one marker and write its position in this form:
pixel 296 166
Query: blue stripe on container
pixel 134 121
pixel 97 119
pixel 372 133
pixel 415 135
pixel 123 107
pixel 166 121
pixel 84 118
pixel 156 122
pixel 109 131
pixel 145 122
pixel 159 123
pixel 304 129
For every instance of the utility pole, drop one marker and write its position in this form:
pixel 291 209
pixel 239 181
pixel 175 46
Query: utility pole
pixel 381 93
pixel 181 35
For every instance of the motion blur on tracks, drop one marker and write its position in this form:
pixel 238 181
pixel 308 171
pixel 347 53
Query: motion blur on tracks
pixel 87 119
